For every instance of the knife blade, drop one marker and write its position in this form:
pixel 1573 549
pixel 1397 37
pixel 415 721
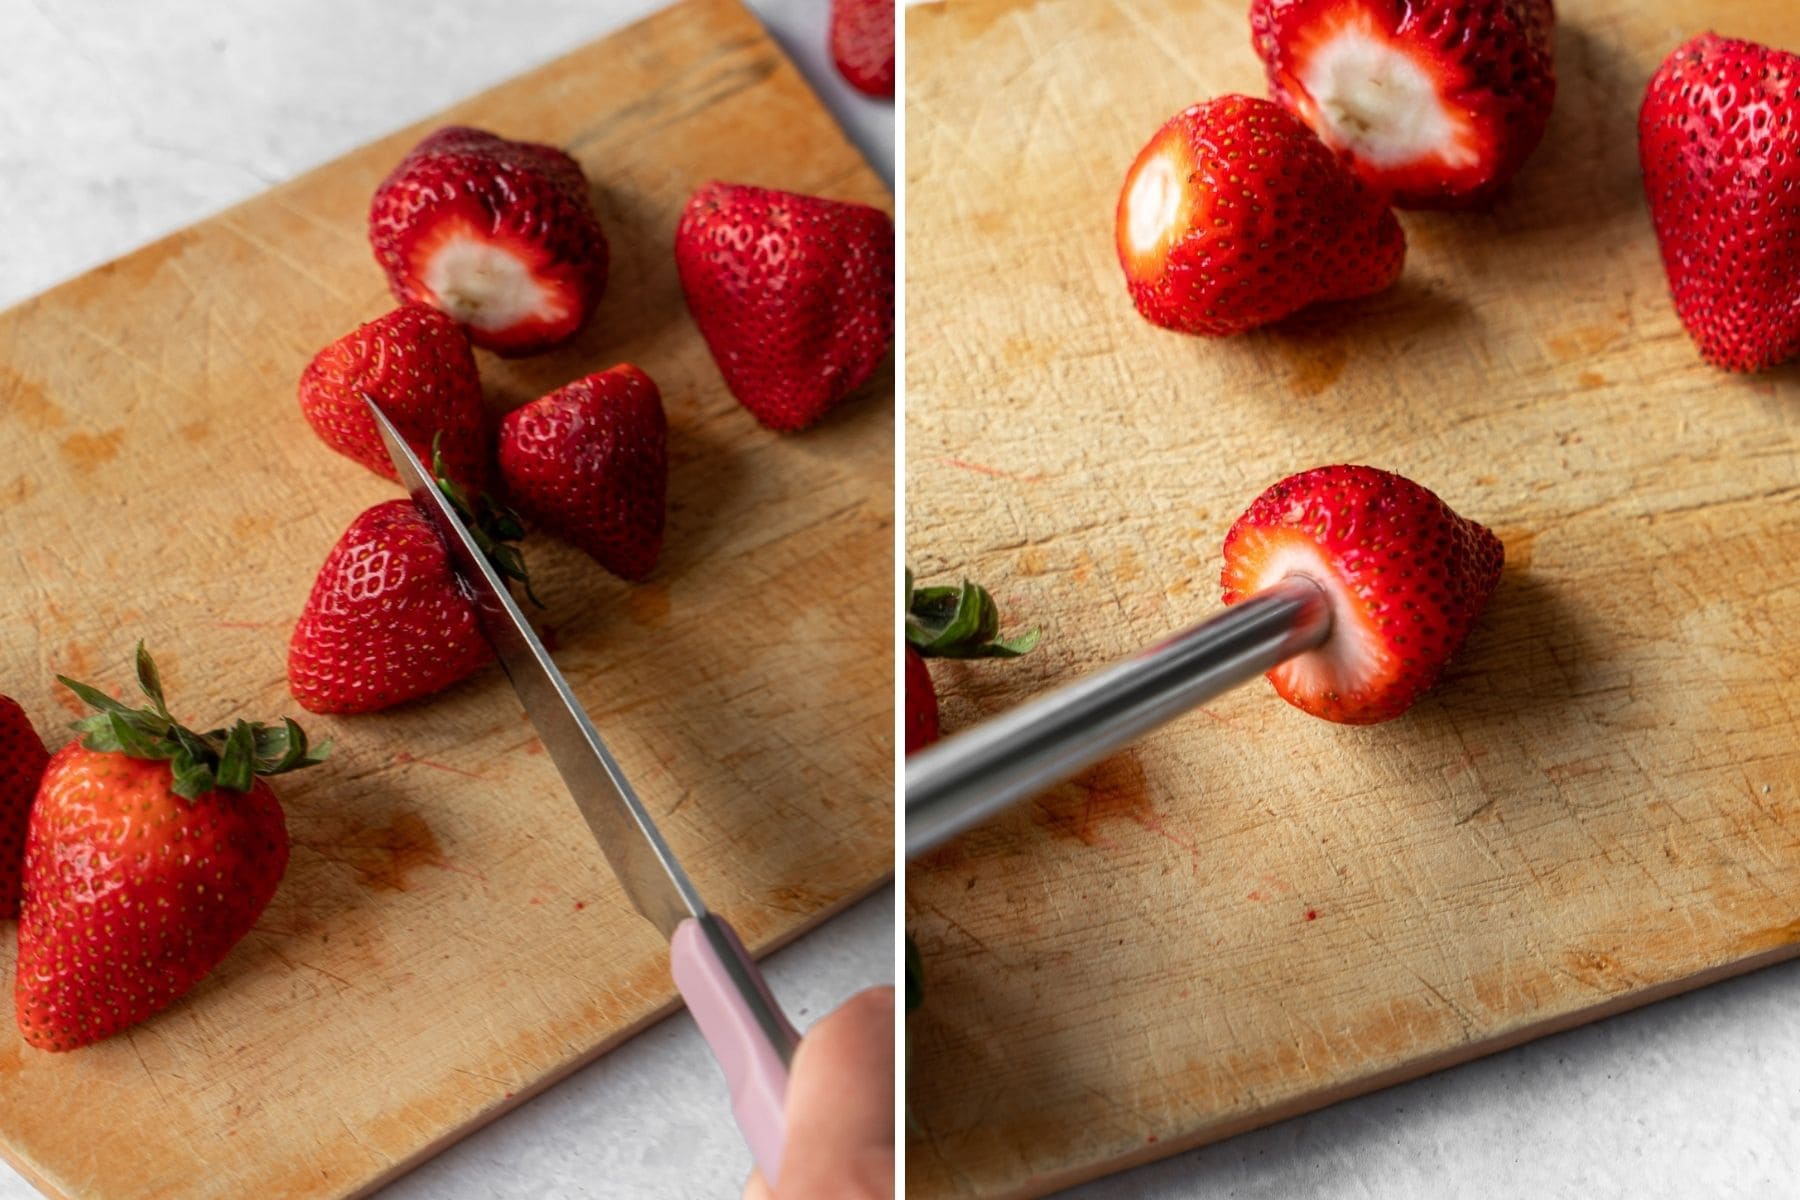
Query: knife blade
pixel 731 1002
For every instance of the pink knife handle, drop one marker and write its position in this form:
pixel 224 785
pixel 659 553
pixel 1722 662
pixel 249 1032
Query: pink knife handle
pixel 740 1020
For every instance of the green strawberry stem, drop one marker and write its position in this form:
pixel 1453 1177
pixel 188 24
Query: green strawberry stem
pixel 959 622
pixel 220 759
pixel 492 525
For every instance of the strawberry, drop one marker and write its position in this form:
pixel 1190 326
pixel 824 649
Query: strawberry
pixel 590 462
pixel 152 849
pixel 1719 141
pixel 947 622
pixel 416 364
pixel 499 234
pixel 1235 215
pixel 387 621
pixel 1435 102
pixel 921 704
pixel 22 759
pixel 1406 578
pixel 793 294
pixel 862 44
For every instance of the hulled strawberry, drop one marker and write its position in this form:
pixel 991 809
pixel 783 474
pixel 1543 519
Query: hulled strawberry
pixel 416 364
pixel 1435 102
pixel 22 759
pixel 793 294
pixel 1719 141
pixel 386 621
pixel 499 234
pixel 152 849
pixel 1405 576
pixel 590 462
pixel 1235 215
pixel 947 622
pixel 862 44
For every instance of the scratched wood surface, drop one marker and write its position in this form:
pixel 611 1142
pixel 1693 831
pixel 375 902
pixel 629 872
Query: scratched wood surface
pixel 447 939
pixel 1254 913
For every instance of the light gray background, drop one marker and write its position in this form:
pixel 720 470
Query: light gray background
pixel 120 122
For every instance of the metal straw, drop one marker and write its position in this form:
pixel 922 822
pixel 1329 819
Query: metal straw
pixel 966 779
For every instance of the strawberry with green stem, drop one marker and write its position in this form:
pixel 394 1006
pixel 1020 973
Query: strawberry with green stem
pixel 151 850
pixel 948 622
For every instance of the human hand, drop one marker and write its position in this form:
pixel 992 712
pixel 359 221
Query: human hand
pixel 840 1108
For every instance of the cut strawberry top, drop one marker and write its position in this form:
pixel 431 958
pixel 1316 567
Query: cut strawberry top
pixel 1405 576
pixel 499 234
pixel 1157 205
pixel 1437 102
pixel 1374 96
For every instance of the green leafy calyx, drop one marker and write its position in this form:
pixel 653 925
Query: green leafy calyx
pixel 220 759
pixel 959 622
pixel 492 525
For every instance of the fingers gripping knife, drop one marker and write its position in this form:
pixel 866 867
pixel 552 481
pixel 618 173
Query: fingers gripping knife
pixel 731 1003
pixel 967 778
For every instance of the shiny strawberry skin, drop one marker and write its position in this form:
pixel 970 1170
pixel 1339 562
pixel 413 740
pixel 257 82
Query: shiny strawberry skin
pixel 470 188
pixel 1406 578
pixel 386 622
pixel 133 894
pixel 1235 215
pixel 1488 62
pixel 862 44
pixel 921 703
pixel 22 761
pixel 793 294
pixel 1719 143
pixel 590 462
pixel 415 363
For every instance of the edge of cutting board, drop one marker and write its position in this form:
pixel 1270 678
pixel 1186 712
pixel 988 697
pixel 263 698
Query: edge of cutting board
pixel 1428 1064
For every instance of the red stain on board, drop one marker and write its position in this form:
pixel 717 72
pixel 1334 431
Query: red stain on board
pixel 1110 792
pixel 1312 914
pixel 403 757
pixel 963 464
pixel 1269 886
pixel 385 856
pixel 580 904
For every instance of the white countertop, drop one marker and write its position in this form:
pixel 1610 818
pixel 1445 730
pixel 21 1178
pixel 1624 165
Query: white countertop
pixel 120 123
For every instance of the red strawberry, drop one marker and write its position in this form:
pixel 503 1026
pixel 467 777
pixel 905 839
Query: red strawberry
pixel 22 759
pixel 1406 578
pixel 862 44
pixel 152 850
pixel 921 704
pixel 1719 140
pixel 1436 102
pixel 947 622
pixel 499 234
pixel 416 364
pixel 1235 215
pixel 387 621
pixel 793 294
pixel 590 462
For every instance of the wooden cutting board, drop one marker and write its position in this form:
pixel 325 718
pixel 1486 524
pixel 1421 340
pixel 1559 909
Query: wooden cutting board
pixel 1253 913
pixel 447 940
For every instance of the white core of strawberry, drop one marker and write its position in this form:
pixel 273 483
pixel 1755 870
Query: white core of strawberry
pixel 481 284
pixel 1350 656
pixel 1379 104
pixel 1152 203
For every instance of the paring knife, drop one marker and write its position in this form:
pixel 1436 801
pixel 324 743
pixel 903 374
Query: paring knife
pixel 967 778
pixel 727 995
